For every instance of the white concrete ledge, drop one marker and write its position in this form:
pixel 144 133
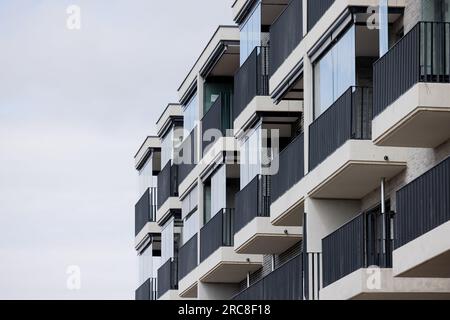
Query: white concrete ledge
pixel 419 118
pixel 170 204
pixel 261 237
pixel 416 258
pixel 227 266
pixel 149 228
pixel 187 287
pixel 369 285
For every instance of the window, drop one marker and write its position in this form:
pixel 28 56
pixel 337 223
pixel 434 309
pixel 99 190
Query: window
pixel 190 114
pixel 190 227
pixel 189 203
pixel 436 10
pixel 218 191
pixel 148 265
pixel 250 156
pixel 170 141
pixel 250 33
pixel 334 73
pixel 167 241
pixel 146 179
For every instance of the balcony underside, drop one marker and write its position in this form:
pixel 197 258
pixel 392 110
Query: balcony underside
pixel 226 266
pixel 187 287
pixel 151 228
pixel 354 170
pixel 364 284
pixel 419 118
pixel 172 203
pixel 427 256
pixel 288 210
pixel 261 237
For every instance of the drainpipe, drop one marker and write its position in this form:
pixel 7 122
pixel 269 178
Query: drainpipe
pixel 273 262
pixel 383 219
pixel 248 279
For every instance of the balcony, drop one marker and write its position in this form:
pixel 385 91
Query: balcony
pixel 187 264
pixel 147 291
pixel 145 214
pixel 251 80
pixel 412 90
pixel 167 192
pixel 217 118
pixel 167 279
pixel 286 33
pixel 219 262
pixel 422 244
pixel 316 9
pixel 291 170
pixel 357 264
pixel 343 162
pixel 254 234
pixel 284 283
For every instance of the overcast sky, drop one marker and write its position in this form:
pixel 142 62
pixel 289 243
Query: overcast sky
pixel 75 106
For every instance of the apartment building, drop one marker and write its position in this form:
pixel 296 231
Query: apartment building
pixel 306 159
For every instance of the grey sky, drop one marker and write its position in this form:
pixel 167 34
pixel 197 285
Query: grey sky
pixel 74 108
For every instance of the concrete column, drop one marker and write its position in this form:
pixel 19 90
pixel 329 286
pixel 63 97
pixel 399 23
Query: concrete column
pixel 308 105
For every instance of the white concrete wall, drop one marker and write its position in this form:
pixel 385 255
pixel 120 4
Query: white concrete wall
pixel 219 291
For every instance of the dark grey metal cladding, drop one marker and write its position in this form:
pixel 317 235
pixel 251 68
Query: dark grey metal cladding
pixel 284 283
pixel 147 291
pixel 145 210
pixel 348 118
pixel 167 183
pixel 251 80
pixel 290 169
pixel 218 232
pixel 252 201
pixel 422 55
pixel 316 9
pixel 168 277
pixel 285 34
pixel 423 204
pixel 187 257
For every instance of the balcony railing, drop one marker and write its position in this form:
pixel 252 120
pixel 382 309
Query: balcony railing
pixel 168 277
pixel 363 242
pixel 187 257
pixel 252 201
pixel 285 34
pixel 290 169
pixel 251 80
pixel 218 232
pixel 422 55
pixel 423 204
pixel 350 117
pixel 316 9
pixel 218 118
pixel 284 283
pixel 147 291
pixel 167 183
pixel 188 154
pixel 145 210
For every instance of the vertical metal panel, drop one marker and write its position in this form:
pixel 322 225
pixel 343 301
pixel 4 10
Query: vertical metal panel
pixel 423 204
pixel 316 9
pixel 251 80
pixel 285 34
pixel 284 283
pixel 147 291
pixel 145 209
pixel 252 201
pixel 213 120
pixel 167 183
pixel 168 277
pixel 218 232
pixel 187 257
pixel 291 168
pixel 348 118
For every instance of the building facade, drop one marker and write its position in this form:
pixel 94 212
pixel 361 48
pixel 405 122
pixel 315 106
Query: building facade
pixel 306 159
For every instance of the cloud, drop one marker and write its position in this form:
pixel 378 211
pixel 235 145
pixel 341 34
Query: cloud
pixel 74 107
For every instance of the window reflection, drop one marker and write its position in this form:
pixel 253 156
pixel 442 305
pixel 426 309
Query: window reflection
pixel 190 114
pixel 334 73
pixel 250 33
